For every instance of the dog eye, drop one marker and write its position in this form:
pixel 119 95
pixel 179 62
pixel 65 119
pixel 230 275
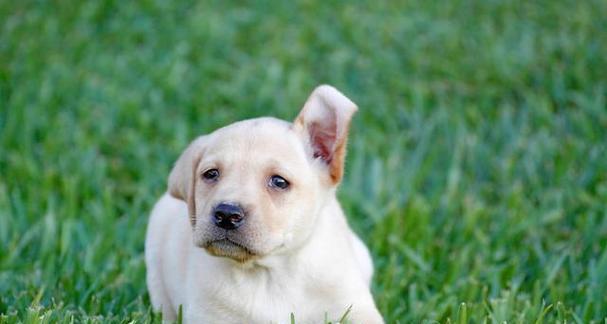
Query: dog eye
pixel 211 174
pixel 279 182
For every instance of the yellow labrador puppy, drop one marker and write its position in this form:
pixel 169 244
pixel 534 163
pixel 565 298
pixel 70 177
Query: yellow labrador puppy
pixel 250 229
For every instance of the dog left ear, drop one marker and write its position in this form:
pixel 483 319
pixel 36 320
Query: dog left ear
pixel 324 120
pixel 182 179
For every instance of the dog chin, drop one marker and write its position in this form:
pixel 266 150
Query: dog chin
pixel 229 249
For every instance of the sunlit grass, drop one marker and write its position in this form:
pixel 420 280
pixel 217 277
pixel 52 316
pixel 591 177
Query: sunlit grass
pixel 477 170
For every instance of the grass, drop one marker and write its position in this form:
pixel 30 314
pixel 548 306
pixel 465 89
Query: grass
pixel 477 170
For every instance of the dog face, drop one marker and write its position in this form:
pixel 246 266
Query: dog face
pixel 255 188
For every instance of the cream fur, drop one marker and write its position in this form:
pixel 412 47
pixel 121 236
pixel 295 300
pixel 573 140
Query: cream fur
pixel 301 256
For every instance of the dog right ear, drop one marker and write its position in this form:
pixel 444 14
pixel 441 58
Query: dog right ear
pixel 182 179
pixel 324 121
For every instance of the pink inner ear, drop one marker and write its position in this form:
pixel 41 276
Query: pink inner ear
pixel 323 141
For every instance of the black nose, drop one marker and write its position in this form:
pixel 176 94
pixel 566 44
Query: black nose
pixel 228 216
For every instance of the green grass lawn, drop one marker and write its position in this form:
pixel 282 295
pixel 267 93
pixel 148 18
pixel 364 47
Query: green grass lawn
pixel 477 170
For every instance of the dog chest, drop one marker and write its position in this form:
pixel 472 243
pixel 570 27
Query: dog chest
pixel 259 296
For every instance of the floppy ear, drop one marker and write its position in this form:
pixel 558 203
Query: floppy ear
pixel 182 179
pixel 324 121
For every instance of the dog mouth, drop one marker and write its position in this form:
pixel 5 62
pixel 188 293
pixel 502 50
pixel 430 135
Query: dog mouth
pixel 226 247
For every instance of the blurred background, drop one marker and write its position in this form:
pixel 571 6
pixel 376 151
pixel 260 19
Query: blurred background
pixel 477 166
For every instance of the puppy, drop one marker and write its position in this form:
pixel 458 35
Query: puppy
pixel 250 229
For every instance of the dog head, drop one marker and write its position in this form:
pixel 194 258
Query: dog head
pixel 255 188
